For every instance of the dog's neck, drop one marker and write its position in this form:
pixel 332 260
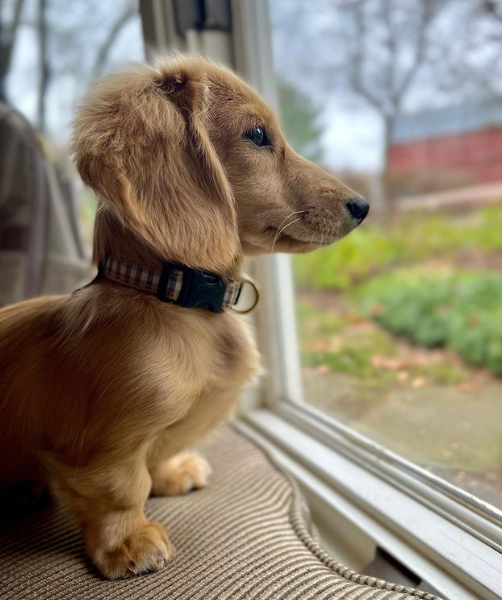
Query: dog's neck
pixel 110 237
pixel 124 260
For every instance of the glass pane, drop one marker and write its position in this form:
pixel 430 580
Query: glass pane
pixel 400 323
pixel 53 50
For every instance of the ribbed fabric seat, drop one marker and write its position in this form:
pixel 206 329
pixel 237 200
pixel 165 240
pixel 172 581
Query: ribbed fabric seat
pixel 247 536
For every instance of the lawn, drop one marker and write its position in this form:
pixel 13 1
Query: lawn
pixel 338 339
pixel 443 308
pixel 401 338
pixel 432 279
pixel 415 238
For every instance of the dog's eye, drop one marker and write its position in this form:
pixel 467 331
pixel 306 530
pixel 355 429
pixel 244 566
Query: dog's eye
pixel 258 136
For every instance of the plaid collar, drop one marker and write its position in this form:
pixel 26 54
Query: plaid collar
pixel 176 284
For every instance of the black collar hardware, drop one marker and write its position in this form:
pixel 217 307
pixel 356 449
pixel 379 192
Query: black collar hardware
pixel 199 289
pixel 182 285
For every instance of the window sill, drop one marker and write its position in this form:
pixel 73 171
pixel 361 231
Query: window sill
pixel 353 502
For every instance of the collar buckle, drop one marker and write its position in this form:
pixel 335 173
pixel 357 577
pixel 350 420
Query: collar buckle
pixel 198 289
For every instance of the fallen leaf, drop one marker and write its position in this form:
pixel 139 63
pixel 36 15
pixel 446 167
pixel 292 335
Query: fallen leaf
pixel 467 386
pixel 387 362
pixel 319 346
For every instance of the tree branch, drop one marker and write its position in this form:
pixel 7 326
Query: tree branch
pixel 7 42
pixel 428 14
pixel 104 50
pixel 357 11
pixel 44 71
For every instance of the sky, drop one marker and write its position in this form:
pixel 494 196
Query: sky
pixel 350 138
pixel 352 130
pixel 305 53
pixel 79 32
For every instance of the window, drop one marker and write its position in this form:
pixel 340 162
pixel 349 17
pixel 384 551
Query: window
pixel 55 49
pixel 383 386
pixel 399 324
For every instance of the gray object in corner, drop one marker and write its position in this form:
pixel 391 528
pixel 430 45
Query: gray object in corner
pixel 40 248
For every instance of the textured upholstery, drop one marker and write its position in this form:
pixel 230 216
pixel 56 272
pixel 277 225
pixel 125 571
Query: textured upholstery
pixel 247 536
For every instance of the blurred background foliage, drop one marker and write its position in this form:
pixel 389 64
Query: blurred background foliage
pixel 459 310
pixel 416 237
pixel 300 121
pixel 433 279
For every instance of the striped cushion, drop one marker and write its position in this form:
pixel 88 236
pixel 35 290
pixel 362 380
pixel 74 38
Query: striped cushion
pixel 245 537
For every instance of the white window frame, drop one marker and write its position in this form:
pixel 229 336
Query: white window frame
pixel 447 537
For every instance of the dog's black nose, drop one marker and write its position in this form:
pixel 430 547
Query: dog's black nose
pixel 358 208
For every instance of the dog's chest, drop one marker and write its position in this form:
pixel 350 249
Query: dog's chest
pixel 236 358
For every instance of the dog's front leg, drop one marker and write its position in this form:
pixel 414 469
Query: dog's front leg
pixel 175 471
pixel 107 499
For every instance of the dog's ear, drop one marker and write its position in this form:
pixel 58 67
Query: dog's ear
pixel 141 141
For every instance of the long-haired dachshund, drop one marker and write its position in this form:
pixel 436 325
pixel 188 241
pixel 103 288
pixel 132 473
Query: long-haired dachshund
pixel 103 392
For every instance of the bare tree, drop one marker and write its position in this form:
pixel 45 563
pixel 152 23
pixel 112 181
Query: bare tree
pixel 473 65
pixel 492 9
pixel 44 71
pixel 103 52
pixel 64 41
pixel 8 34
pixel 60 33
pixel 380 47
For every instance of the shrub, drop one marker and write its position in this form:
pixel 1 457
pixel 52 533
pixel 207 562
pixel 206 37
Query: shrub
pixel 458 310
pixel 372 249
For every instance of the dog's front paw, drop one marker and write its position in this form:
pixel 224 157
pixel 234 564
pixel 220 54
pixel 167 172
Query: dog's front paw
pixel 143 551
pixel 180 474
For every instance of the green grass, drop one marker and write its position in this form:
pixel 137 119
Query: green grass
pixel 417 237
pixel 456 310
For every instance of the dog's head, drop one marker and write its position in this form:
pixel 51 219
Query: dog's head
pixel 191 164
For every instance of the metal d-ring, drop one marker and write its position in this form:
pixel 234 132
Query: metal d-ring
pixel 257 298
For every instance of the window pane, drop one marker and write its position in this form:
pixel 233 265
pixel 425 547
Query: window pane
pixel 400 323
pixel 57 48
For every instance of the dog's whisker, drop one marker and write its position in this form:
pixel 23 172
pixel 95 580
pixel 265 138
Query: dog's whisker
pixel 296 212
pixel 283 221
pixel 312 239
pixel 281 230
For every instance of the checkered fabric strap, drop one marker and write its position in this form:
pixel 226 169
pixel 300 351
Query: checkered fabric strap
pixel 176 284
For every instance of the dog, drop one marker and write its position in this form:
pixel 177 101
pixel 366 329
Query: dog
pixel 103 392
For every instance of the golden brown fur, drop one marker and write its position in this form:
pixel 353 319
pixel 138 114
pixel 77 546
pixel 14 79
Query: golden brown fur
pixel 102 392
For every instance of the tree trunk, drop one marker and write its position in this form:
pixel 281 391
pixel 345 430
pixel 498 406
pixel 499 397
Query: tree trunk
pixel 7 40
pixel 384 203
pixel 44 70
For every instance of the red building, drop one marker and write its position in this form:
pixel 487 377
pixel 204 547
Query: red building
pixel 454 145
